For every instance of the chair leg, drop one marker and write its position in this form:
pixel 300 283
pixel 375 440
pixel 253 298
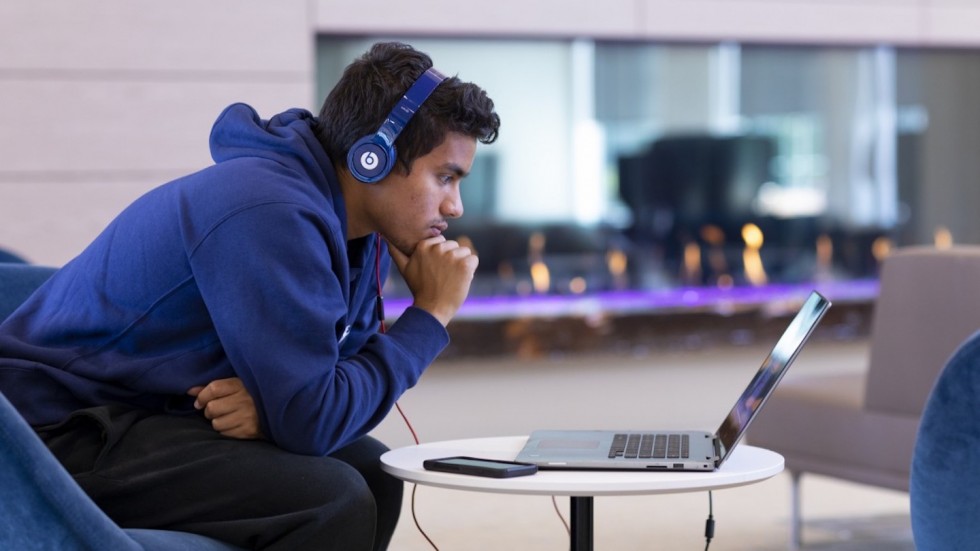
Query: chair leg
pixel 796 520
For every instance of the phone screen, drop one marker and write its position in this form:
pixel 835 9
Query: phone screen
pixel 480 467
pixel 485 463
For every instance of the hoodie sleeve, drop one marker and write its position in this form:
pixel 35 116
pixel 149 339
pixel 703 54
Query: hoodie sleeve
pixel 272 278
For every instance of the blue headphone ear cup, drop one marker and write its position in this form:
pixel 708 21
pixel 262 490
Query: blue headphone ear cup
pixel 371 159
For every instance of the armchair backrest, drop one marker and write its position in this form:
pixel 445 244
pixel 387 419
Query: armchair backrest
pixel 928 304
pixel 944 477
pixel 17 282
pixel 41 507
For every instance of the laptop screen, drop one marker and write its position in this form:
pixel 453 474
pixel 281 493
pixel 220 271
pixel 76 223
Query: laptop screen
pixel 772 370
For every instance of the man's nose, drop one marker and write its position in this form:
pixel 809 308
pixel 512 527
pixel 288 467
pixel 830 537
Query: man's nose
pixel 453 207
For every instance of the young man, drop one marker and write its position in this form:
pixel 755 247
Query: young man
pixel 212 362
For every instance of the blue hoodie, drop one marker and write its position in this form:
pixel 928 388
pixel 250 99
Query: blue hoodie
pixel 240 270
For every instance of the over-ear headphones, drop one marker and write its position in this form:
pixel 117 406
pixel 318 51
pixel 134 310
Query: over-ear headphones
pixel 372 157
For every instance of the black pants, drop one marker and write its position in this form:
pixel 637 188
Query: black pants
pixel 162 471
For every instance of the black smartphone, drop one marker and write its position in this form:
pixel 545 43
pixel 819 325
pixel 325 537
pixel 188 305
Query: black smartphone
pixel 493 468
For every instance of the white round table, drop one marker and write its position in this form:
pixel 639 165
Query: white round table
pixel 745 465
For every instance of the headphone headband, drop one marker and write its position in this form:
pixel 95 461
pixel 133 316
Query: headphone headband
pixel 410 103
pixel 373 156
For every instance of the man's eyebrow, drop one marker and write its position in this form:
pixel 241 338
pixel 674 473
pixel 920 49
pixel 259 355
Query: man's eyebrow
pixel 455 168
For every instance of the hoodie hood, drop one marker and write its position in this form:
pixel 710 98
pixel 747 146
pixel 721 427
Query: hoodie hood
pixel 286 138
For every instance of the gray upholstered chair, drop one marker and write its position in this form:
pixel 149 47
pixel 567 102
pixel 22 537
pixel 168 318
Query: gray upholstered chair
pixel 862 427
pixel 41 506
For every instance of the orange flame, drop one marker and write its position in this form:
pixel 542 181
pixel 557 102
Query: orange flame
pixel 541 277
pixel 692 263
pixel 715 237
pixel 751 259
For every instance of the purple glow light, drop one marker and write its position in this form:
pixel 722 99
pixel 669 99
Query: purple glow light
pixel 665 300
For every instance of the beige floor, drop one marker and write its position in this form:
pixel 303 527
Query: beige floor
pixel 679 388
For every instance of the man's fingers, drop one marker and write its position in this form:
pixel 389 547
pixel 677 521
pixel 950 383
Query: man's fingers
pixel 224 423
pixel 204 395
pixel 216 409
pixel 397 257
pixel 229 407
pixel 234 426
pixel 447 246
pixel 218 388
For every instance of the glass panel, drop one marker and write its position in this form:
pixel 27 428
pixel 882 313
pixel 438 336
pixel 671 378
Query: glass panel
pixel 650 166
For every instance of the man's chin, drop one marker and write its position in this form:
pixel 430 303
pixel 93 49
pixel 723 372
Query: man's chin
pixel 406 250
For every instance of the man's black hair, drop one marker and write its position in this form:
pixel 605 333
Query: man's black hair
pixel 371 86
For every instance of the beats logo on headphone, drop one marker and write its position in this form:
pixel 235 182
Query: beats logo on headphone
pixel 372 157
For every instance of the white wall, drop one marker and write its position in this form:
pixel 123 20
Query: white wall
pixel 923 22
pixel 101 100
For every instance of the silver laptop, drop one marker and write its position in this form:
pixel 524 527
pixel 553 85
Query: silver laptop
pixel 683 450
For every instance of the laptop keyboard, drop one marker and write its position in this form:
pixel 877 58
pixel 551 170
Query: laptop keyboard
pixel 651 446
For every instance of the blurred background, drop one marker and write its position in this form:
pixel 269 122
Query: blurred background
pixel 655 165
pixel 672 177
pixel 654 155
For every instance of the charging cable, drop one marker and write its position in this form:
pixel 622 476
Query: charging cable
pixel 709 525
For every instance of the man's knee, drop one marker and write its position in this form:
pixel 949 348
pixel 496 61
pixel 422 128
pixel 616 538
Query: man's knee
pixel 332 504
pixel 364 455
pixel 317 480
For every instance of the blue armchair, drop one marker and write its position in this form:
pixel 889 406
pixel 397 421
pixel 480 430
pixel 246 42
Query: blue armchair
pixel 945 478
pixel 41 506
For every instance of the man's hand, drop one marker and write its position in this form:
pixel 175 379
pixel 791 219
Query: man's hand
pixel 229 407
pixel 438 274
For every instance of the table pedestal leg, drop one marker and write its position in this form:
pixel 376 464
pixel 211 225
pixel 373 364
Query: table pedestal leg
pixel 581 513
